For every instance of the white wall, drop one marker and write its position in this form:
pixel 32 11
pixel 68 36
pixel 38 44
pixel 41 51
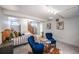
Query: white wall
pixel 24 26
pixel 3 24
pixel 70 34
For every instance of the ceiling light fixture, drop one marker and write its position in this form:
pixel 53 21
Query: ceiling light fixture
pixel 51 12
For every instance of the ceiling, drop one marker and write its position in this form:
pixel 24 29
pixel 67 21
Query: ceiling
pixel 42 11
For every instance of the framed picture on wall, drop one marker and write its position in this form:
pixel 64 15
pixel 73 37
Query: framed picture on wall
pixel 48 25
pixel 59 24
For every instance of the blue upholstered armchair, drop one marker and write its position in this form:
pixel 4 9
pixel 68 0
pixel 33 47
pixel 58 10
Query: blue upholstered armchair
pixel 37 48
pixel 49 36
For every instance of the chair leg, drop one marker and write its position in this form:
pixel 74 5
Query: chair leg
pixel 30 53
pixel 54 45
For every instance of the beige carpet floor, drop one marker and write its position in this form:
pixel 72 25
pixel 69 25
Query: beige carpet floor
pixel 64 49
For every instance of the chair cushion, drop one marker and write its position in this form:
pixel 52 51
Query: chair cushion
pixel 37 48
pixel 49 35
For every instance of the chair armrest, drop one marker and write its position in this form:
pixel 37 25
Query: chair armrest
pixel 36 43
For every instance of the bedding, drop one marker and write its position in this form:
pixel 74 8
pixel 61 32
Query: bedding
pixel 20 40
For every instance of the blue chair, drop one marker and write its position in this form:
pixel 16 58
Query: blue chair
pixel 49 36
pixel 37 48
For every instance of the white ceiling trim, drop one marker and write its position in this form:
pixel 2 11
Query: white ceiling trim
pixel 19 15
pixel 40 12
